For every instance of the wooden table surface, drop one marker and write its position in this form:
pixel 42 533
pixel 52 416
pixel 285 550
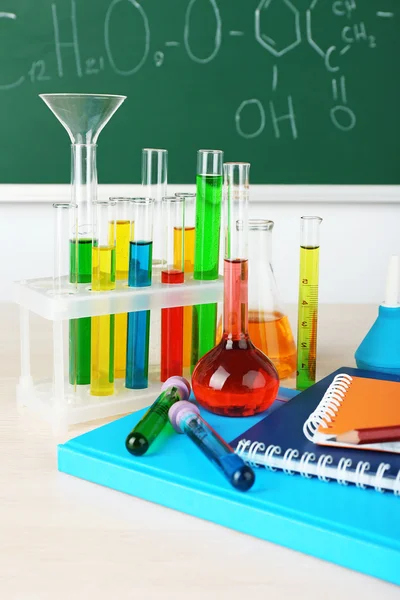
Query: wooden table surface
pixel 63 538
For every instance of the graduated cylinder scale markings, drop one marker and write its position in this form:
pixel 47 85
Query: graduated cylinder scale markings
pixel 307 323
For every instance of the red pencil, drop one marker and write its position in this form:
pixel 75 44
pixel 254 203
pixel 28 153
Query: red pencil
pixel 372 435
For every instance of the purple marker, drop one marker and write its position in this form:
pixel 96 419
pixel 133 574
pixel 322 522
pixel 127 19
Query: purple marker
pixel 185 418
pixel 151 424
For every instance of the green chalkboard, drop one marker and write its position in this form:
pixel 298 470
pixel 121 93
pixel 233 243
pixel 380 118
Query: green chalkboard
pixel 308 91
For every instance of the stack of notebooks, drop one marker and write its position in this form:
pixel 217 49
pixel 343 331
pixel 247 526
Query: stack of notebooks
pixel 339 504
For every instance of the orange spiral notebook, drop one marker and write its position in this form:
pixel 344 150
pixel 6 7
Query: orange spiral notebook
pixel 355 403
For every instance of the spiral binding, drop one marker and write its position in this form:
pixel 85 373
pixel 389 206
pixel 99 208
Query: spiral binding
pixel 255 454
pixel 290 462
pixel 325 412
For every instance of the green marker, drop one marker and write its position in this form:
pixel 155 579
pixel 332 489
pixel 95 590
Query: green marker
pixel 206 255
pixel 151 424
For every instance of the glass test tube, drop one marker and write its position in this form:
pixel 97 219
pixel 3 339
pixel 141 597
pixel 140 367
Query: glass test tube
pixel 103 279
pixel 308 302
pixel 206 259
pixel 84 188
pixel 154 183
pixel 185 418
pixel 123 232
pixel 189 240
pixel 236 206
pixel 140 272
pixel 65 231
pixel 172 273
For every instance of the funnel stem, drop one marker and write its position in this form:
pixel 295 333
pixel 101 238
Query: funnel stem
pixel 84 186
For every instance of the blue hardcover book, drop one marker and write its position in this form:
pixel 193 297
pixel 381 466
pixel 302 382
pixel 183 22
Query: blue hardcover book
pixel 279 441
pixel 358 529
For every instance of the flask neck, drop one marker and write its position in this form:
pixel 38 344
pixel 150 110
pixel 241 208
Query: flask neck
pixel 260 245
pixel 84 185
pixel 235 299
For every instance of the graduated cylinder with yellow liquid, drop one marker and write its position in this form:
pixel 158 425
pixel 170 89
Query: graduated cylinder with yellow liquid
pixel 269 326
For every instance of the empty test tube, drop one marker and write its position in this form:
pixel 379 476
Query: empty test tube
pixel 154 184
pixel 185 418
pixel 151 424
pixel 103 279
pixel 140 272
pixel 65 231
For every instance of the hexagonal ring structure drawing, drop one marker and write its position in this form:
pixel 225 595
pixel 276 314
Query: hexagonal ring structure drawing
pixel 260 24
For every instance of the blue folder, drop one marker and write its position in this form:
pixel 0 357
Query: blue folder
pixel 355 528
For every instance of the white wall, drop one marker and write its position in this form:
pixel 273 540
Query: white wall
pixel 360 231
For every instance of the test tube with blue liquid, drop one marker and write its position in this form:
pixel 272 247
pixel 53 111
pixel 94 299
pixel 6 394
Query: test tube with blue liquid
pixel 140 273
pixel 185 418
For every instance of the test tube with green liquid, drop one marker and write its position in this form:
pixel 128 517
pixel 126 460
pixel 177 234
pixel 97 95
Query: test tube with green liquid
pixel 206 254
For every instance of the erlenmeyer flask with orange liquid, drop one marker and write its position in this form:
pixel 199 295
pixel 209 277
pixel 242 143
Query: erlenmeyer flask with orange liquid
pixel 269 326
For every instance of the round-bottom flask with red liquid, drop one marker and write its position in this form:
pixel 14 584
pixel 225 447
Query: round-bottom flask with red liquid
pixel 235 379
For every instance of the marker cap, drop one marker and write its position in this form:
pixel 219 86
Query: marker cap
pixel 178 410
pixel 181 383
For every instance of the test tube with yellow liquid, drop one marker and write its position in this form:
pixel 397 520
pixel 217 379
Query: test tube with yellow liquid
pixel 308 302
pixel 103 280
pixel 123 232
pixel 188 253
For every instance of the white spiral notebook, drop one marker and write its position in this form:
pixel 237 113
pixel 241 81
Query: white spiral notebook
pixel 279 441
pixel 355 403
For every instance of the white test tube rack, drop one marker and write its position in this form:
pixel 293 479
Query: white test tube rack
pixel 54 399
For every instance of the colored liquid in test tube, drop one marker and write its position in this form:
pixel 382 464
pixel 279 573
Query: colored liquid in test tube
pixel 103 279
pixel 188 259
pixel 206 258
pixel 123 233
pixel 154 420
pixel 140 272
pixel 185 418
pixel 308 302
pixel 80 329
pixel 172 273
